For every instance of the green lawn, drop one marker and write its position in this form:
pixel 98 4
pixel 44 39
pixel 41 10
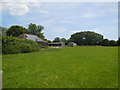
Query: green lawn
pixel 69 67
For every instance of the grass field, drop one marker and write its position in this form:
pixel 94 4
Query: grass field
pixel 69 67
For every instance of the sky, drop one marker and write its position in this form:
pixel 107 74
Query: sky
pixel 61 19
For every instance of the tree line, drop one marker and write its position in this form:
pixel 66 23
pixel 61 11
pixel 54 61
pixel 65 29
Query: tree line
pixel 17 30
pixel 92 38
pixel 80 38
pixel 88 38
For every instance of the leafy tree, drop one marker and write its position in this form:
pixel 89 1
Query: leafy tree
pixel 67 41
pixel 48 41
pixel 112 43
pixel 86 38
pixel 32 28
pixel 57 39
pixel 105 42
pixel 16 30
pixel 36 30
pixel 40 35
pixel 63 40
pixel 118 42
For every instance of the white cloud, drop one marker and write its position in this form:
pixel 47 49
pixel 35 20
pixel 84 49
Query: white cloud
pixel 20 0
pixel 16 9
pixel 19 8
pixel 19 11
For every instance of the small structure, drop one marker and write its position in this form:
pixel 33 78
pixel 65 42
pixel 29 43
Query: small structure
pixel 32 37
pixel 56 44
pixel 72 44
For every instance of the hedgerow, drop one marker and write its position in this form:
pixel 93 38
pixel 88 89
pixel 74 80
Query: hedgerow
pixel 12 45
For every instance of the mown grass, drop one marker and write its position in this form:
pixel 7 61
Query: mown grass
pixel 69 67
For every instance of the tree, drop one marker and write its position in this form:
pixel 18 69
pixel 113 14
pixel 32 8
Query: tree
pixel 16 30
pixel 118 42
pixel 112 43
pixel 86 38
pixel 67 41
pixel 32 28
pixel 40 35
pixel 48 41
pixel 105 42
pixel 63 40
pixel 36 30
pixel 57 39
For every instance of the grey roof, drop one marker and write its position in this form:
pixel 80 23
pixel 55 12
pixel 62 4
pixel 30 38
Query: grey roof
pixel 34 38
pixel 56 43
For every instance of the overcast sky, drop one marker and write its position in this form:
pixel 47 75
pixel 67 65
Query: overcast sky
pixel 61 19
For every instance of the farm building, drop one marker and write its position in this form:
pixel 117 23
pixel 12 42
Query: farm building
pixel 32 37
pixel 72 44
pixel 56 44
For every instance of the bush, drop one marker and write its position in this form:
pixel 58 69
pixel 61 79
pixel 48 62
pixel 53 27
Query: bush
pixel 12 45
pixel 26 48
pixel 9 49
pixel 43 45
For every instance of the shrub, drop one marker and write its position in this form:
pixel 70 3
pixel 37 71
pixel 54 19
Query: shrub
pixel 26 48
pixel 9 49
pixel 43 45
pixel 12 45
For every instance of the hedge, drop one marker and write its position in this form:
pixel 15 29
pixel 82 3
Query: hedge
pixel 12 45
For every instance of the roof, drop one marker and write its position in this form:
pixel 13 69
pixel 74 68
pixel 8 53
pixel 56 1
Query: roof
pixel 71 42
pixel 34 38
pixel 56 43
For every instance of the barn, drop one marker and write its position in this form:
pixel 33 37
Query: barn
pixel 72 44
pixel 56 44
pixel 32 37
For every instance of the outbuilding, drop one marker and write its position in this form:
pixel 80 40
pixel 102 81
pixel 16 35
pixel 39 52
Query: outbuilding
pixel 56 44
pixel 32 37
pixel 72 44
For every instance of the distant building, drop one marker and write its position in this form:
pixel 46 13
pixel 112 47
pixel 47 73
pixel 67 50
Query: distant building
pixel 32 37
pixel 72 44
pixel 56 44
